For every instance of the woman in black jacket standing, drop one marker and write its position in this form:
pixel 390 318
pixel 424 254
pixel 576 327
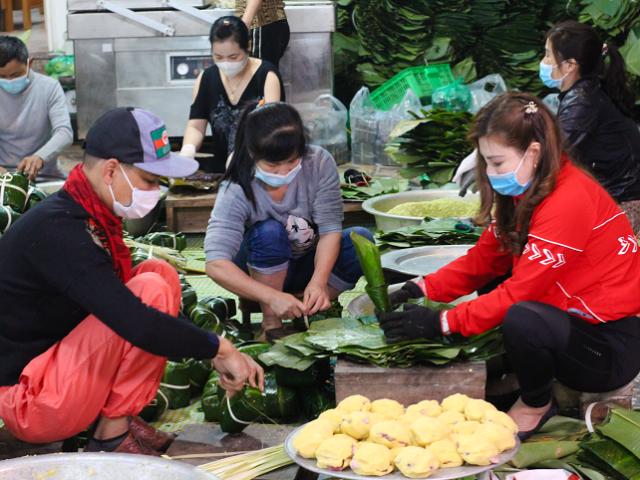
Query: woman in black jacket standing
pixel 595 109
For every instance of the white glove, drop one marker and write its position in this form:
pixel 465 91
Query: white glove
pixel 468 164
pixel 188 150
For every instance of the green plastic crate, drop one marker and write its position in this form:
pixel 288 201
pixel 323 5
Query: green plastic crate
pixel 422 80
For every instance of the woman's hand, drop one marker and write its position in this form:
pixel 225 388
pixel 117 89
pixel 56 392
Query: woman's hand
pixel 285 305
pixel 236 369
pixel 316 297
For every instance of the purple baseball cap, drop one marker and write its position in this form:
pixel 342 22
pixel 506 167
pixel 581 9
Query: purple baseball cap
pixel 139 138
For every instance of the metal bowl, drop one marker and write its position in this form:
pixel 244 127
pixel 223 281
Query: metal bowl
pixel 98 466
pixel 379 206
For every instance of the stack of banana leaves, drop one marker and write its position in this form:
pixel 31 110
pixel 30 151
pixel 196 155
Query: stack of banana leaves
pixel 436 231
pixel 17 196
pixel 363 340
pixel 612 452
pixel 433 144
pixel 284 393
pixel 392 36
pixel 373 188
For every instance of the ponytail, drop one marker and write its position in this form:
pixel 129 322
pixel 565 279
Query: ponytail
pixel 614 80
pixel 242 167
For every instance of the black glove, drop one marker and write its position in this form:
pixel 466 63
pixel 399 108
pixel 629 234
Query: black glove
pixel 412 323
pixel 468 180
pixel 408 291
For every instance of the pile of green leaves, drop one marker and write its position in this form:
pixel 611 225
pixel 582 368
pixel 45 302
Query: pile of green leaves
pixel 434 143
pixel 363 340
pixel 392 37
pixel 378 186
pixel 612 452
pixel 441 231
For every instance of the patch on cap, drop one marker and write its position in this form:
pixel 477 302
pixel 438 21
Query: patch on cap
pixel 160 140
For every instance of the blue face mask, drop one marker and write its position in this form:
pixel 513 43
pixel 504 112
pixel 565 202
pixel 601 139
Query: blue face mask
pixel 545 76
pixel 274 180
pixel 15 86
pixel 507 183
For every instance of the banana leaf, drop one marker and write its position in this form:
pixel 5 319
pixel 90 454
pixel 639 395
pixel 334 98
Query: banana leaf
pixel 378 186
pixel 369 258
pixel 279 402
pixel 14 189
pixel 611 456
pixel 8 216
pixel 442 231
pixel 623 426
pixel 531 453
pixel 176 384
pixel 315 401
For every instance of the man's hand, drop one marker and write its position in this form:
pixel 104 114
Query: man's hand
pixel 285 305
pixel 408 291
pixel 236 369
pixel 413 323
pixel 31 166
pixel 316 297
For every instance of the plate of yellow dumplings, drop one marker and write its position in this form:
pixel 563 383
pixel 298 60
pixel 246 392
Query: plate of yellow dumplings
pixel 362 439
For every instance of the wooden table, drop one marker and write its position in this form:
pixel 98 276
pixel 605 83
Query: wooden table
pixel 7 7
pixel 189 213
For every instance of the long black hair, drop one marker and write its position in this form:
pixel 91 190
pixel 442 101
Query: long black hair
pixel 272 132
pixel 571 39
pixel 230 27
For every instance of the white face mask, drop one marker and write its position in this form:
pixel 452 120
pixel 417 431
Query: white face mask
pixel 233 69
pixel 142 201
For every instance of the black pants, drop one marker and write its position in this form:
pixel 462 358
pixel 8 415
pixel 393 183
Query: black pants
pixel 543 343
pixel 270 42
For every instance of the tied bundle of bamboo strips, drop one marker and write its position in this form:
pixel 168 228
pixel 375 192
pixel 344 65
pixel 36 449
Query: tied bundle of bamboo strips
pixel 250 465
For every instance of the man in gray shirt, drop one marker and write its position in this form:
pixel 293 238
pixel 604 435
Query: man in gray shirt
pixel 34 125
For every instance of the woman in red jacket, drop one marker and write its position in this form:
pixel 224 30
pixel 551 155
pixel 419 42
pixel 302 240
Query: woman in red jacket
pixel 568 309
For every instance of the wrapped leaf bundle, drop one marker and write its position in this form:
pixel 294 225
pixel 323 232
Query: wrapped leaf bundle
pixel 199 371
pixel 8 217
pixel 241 410
pixel 174 241
pixel 212 398
pixel 279 402
pixel 176 384
pixel 34 197
pixel 14 189
pixel 369 258
pixel 224 308
pixel 155 409
pixel 206 319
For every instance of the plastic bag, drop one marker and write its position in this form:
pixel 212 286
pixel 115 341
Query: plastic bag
pixel 325 120
pixel 455 97
pixel 485 90
pixel 63 66
pixel 370 127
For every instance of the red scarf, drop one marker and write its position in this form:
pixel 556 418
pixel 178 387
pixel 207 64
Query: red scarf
pixel 102 221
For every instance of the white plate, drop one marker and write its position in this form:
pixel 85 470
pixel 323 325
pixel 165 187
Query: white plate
pixel 422 260
pixel 442 474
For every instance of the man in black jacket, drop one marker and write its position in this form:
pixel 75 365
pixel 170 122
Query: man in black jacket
pixel 83 335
